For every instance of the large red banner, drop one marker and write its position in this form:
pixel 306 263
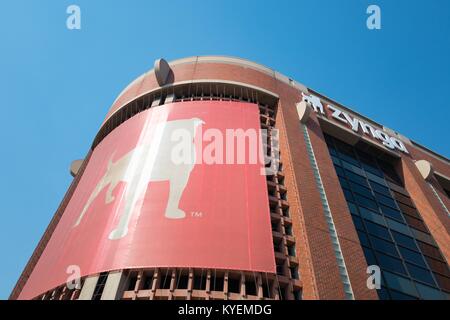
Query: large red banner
pixel 161 190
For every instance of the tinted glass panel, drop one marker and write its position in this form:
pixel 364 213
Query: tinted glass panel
pixel 343 182
pixel 404 240
pixel 420 274
pixel 401 296
pixel 391 231
pixel 377 230
pixel 379 188
pixel 393 213
pixel 360 189
pixel 358 223
pixel 348 194
pixel 375 178
pixel 339 171
pixel 363 239
pixel 390 263
pixel 412 256
pixel 366 202
pixel 370 257
pixel 356 178
pixel 352 208
pixel 336 161
pixel 387 201
pixel 383 294
pixel 429 293
pixel 400 283
pixel 384 246
pixel 348 158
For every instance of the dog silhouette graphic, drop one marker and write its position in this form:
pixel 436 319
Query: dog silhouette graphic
pixel 314 101
pixel 150 161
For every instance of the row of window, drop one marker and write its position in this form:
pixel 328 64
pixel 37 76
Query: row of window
pixel 389 227
pixel 376 195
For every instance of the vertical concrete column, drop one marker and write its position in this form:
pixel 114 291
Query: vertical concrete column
pixel 259 288
pixel 139 280
pixel 242 285
pixel 173 283
pixel 225 285
pixel 155 283
pixel 190 284
pixel 88 288
pixel 208 284
pixel 114 286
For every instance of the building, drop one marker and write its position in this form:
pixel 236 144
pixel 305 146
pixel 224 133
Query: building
pixel 348 193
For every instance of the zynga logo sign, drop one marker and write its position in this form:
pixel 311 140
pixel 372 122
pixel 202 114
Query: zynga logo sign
pixel 354 123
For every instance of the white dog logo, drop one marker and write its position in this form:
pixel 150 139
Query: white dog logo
pixel 149 161
pixel 314 101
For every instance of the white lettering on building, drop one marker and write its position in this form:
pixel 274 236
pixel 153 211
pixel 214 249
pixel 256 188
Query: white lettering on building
pixel 355 123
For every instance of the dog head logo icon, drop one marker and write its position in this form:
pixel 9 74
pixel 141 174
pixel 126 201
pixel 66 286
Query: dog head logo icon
pixel 314 101
pixel 151 160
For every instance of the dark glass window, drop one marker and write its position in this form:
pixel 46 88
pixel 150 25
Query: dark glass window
pixel 352 208
pixel 370 257
pixel 363 238
pixel 360 189
pixel 343 182
pixel 420 274
pixel 366 202
pixel 390 263
pixel 447 192
pixel 346 153
pixel 404 240
pixel 234 285
pixel 377 230
pixel 383 294
pixel 401 296
pixel 250 287
pixel 336 161
pixel 379 188
pixel 372 169
pixel 390 173
pixel 400 283
pixel 429 250
pixel 358 223
pixel 412 256
pixel 356 178
pixel 348 194
pixel 388 201
pixel 416 224
pixel 371 215
pixel 339 171
pixel 427 292
pixel 383 246
pixel 331 149
pixel 389 226
pixel 348 159
pixel 392 213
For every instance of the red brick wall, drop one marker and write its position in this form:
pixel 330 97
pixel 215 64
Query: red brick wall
pixel 428 205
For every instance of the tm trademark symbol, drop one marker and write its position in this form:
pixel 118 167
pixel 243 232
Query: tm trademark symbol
pixel 197 214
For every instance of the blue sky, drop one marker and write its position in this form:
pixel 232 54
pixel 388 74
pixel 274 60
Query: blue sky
pixel 57 85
